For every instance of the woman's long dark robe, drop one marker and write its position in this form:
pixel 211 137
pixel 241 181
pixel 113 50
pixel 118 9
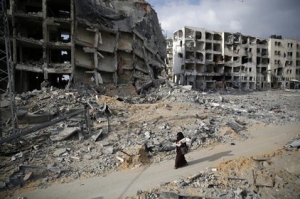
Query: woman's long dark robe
pixel 180 159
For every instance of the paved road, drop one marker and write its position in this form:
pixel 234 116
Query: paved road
pixel 122 184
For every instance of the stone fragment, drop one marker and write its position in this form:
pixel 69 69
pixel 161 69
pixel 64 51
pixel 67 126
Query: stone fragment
pixel 27 176
pixel 264 179
pixel 155 141
pixel 96 136
pixel 104 143
pixel 65 133
pixel 187 87
pixel 59 152
pixel 54 168
pixel 266 164
pixel 215 104
pixel 110 150
pixel 121 159
pixel 16 156
pixel 169 195
pixel 295 144
pixel 147 135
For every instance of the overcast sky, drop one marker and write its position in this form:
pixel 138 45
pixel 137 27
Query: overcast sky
pixel 260 18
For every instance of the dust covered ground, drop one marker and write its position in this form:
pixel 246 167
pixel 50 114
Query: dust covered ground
pixel 139 131
pixel 273 175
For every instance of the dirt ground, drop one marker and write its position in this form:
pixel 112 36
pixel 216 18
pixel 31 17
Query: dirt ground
pixel 166 116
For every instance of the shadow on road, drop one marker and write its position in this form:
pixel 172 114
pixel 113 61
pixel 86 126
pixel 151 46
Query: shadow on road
pixel 212 157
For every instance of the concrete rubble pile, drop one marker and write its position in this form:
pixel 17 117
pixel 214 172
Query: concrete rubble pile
pixel 127 131
pixel 274 175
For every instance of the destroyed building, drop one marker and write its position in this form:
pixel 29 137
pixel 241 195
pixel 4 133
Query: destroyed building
pixel 202 58
pixel 84 42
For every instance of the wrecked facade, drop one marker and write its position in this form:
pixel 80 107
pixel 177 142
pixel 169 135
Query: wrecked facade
pixel 284 62
pixel 82 42
pixel 204 59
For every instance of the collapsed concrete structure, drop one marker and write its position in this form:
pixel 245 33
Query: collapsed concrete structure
pixel 203 58
pixel 99 42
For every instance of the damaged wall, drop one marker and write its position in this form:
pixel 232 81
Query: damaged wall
pixel 113 41
pixel 127 37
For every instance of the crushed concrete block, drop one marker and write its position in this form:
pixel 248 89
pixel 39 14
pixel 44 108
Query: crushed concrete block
pixel 147 135
pixel 156 142
pixel 264 179
pixel 295 144
pixel 187 87
pixel 266 164
pixel 215 104
pixel 53 168
pixel 65 133
pixel 96 136
pixel 110 150
pixel 235 126
pixel 240 122
pixel 27 176
pixel 59 152
pixel 221 99
pixel 16 156
pixel 121 159
pixel 168 195
pixel 104 143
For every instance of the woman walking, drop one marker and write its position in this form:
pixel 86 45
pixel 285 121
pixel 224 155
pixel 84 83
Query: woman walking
pixel 180 159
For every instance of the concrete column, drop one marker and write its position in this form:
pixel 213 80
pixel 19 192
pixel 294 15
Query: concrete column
pixel 45 36
pixel 96 40
pixel 72 39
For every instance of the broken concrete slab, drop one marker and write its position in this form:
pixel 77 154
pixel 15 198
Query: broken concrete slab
pixel 169 195
pixel 59 152
pixel 264 179
pixel 187 87
pixel 31 118
pixel 17 156
pixel 54 168
pixel 27 176
pixel 65 133
pixel 96 136
pixel 109 150
pixel 295 144
pixel 235 126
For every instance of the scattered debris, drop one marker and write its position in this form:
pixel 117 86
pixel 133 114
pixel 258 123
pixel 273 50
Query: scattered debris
pixel 295 144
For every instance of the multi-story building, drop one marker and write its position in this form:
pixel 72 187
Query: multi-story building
pixel 284 62
pixel 202 58
pixel 91 42
pixel 169 60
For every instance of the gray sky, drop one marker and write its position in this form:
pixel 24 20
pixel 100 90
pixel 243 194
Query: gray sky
pixel 260 18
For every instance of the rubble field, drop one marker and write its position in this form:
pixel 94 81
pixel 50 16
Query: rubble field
pixel 125 131
pixel 275 175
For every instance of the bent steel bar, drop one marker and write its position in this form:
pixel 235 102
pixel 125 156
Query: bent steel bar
pixel 41 126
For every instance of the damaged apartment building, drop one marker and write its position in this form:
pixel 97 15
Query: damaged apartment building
pixel 84 42
pixel 202 58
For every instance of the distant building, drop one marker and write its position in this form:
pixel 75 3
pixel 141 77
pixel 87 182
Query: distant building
pixel 202 58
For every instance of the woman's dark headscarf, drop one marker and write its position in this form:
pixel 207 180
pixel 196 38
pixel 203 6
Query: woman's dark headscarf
pixel 180 136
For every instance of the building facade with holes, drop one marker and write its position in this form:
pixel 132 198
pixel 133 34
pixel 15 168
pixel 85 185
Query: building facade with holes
pixel 207 59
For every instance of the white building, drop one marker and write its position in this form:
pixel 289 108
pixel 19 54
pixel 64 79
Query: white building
pixel 284 62
pixel 202 58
